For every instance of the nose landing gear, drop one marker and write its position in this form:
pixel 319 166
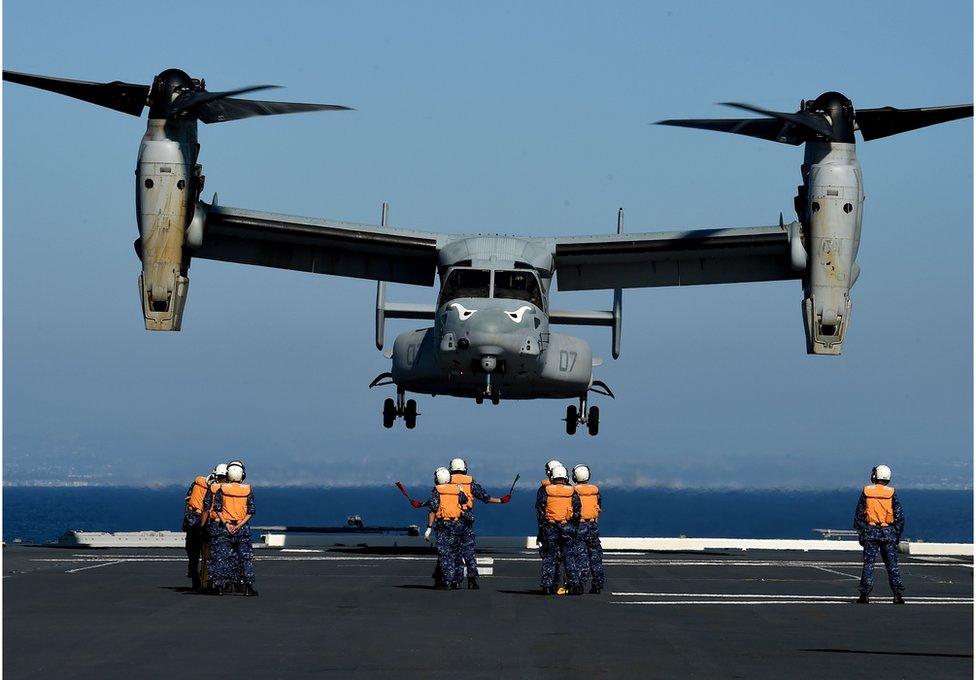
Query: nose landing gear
pixel 406 409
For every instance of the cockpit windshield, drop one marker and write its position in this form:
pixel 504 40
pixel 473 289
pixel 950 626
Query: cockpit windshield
pixel 466 283
pixel 518 285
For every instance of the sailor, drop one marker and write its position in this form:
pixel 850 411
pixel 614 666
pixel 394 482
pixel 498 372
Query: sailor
pixel 472 490
pixel 444 517
pixel 540 497
pixel 237 509
pixel 194 542
pixel 558 515
pixel 591 505
pixel 215 548
pixel 879 521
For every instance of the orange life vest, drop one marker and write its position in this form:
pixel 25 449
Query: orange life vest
pixel 545 482
pixel 194 500
pixel 559 502
pixel 449 505
pixel 213 489
pixel 589 501
pixel 465 482
pixel 878 510
pixel 235 502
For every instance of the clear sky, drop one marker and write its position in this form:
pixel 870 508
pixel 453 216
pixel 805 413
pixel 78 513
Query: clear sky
pixel 495 117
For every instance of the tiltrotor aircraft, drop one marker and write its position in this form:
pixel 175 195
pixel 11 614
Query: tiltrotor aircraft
pixel 492 334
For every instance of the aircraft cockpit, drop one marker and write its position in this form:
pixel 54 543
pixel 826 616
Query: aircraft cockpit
pixel 512 284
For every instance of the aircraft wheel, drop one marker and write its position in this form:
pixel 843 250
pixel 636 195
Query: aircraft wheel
pixel 572 419
pixel 389 413
pixel 410 414
pixel 593 421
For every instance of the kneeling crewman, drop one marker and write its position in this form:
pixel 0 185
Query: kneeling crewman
pixel 879 521
pixel 591 505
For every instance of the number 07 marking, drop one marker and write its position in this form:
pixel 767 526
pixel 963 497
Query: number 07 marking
pixel 567 360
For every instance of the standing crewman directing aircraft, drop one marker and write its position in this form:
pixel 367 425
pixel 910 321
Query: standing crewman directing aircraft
pixel 591 505
pixel 879 521
pixel 472 490
pixel 444 518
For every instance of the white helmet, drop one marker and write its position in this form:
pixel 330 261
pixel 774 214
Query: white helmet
pixel 220 470
pixel 235 471
pixel 581 474
pixel 458 465
pixel 559 472
pixel 442 475
pixel 881 473
pixel 550 465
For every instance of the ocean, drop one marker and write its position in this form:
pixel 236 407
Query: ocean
pixel 42 514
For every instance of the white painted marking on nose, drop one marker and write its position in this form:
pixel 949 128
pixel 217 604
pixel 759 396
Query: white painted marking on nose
pixel 463 314
pixel 517 315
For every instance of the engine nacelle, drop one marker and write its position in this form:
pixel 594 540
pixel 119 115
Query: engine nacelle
pixel 165 194
pixel 834 218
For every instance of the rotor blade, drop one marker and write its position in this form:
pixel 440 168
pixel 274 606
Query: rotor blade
pixel 125 97
pixel 222 110
pixel 189 100
pixel 877 123
pixel 773 129
pixel 811 121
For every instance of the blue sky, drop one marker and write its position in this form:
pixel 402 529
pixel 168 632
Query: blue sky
pixel 494 117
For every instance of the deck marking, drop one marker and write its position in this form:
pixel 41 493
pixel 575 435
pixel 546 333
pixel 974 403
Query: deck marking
pixel 92 566
pixel 848 601
pixel 933 598
pixel 834 571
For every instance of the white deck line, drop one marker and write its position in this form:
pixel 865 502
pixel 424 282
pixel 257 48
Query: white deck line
pixel 781 597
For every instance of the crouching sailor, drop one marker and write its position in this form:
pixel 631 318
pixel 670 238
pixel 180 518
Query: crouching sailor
pixel 444 518
pixel 879 521
pixel 558 514
pixel 589 530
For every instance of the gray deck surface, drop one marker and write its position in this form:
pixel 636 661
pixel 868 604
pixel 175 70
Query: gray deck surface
pixel 70 613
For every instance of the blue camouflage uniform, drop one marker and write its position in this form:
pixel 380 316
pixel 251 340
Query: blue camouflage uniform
pixel 196 536
pixel 467 533
pixel 448 542
pixel 878 540
pixel 559 543
pixel 231 559
pixel 592 550
pixel 219 556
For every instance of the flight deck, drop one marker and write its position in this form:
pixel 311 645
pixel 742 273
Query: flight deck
pixel 372 612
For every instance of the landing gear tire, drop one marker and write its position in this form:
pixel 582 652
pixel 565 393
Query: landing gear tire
pixel 389 413
pixel 593 421
pixel 410 414
pixel 572 419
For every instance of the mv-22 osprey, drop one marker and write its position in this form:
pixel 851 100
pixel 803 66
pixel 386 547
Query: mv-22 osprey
pixel 492 334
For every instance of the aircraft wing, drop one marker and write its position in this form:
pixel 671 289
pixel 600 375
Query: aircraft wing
pixel 677 258
pixel 318 246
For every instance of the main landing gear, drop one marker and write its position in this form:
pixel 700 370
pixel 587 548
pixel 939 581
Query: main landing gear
pixel 406 409
pixel 583 415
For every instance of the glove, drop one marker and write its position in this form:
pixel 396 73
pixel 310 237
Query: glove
pixel 506 498
pixel 427 534
pixel 415 504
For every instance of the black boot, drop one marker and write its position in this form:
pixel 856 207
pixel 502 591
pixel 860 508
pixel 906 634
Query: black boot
pixel 456 586
pixel 473 583
pixel 195 583
pixel 863 599
pixel 250 591
pixel 595 590
pixel 549 591
pixel 898 599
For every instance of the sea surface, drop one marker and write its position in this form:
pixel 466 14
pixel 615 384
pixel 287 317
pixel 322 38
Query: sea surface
pixel 42 514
